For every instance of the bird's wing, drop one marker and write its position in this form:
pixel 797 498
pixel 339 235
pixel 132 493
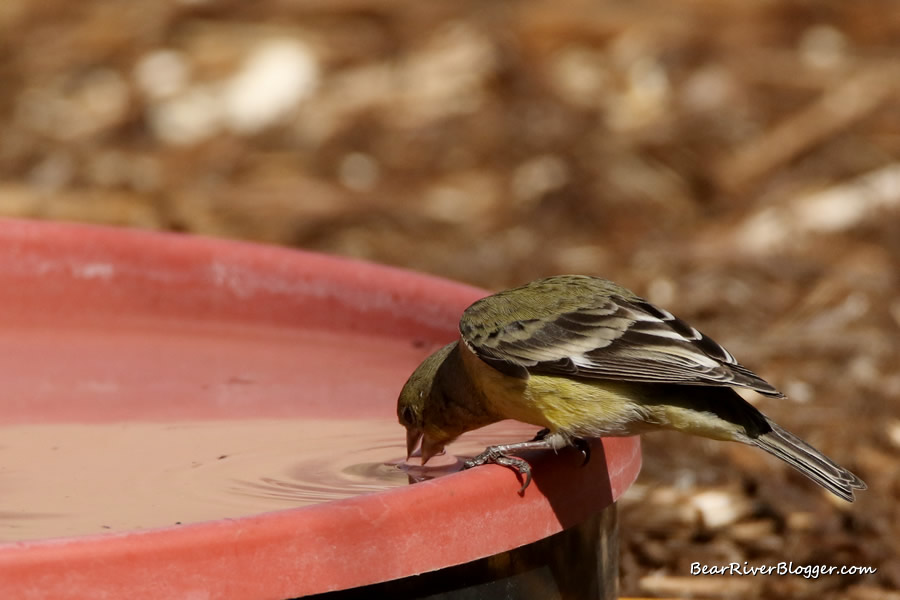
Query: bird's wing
pixel 611 337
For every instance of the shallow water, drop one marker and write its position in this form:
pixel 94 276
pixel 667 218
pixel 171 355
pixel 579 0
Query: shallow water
pixel 139 424
pixel 75 479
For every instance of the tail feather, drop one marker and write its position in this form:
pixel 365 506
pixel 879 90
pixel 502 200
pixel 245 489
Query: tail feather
pixel 809 461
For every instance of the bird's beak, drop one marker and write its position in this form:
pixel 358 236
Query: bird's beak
pixel 413 436
pixel 430 448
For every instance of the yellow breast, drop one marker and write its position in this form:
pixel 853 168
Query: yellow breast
pixel 579 407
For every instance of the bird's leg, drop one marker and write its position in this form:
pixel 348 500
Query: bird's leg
pixel 544 440
pixel 579 444
pixel 541 434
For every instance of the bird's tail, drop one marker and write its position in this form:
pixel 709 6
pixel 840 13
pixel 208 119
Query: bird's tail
pixel 809 461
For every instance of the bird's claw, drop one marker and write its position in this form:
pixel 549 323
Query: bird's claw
pixel 494 455
pixel 584 447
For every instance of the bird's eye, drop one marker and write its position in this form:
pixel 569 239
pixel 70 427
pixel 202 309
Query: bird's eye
pixel 408 415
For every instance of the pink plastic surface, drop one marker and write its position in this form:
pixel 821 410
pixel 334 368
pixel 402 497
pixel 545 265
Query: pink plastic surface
pixel 58 281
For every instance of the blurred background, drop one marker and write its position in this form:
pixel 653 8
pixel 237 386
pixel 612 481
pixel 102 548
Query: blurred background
pixel 736 162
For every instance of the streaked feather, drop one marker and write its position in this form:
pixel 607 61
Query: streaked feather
pixel 596 330
pixel 809 461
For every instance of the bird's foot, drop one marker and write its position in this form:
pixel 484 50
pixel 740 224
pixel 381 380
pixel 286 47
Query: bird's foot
pixel 497 455
pixel 500 455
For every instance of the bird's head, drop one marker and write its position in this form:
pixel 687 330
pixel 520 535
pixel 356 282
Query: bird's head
pixel 419 412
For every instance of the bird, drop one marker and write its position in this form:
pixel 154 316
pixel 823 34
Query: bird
pixel 582 357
